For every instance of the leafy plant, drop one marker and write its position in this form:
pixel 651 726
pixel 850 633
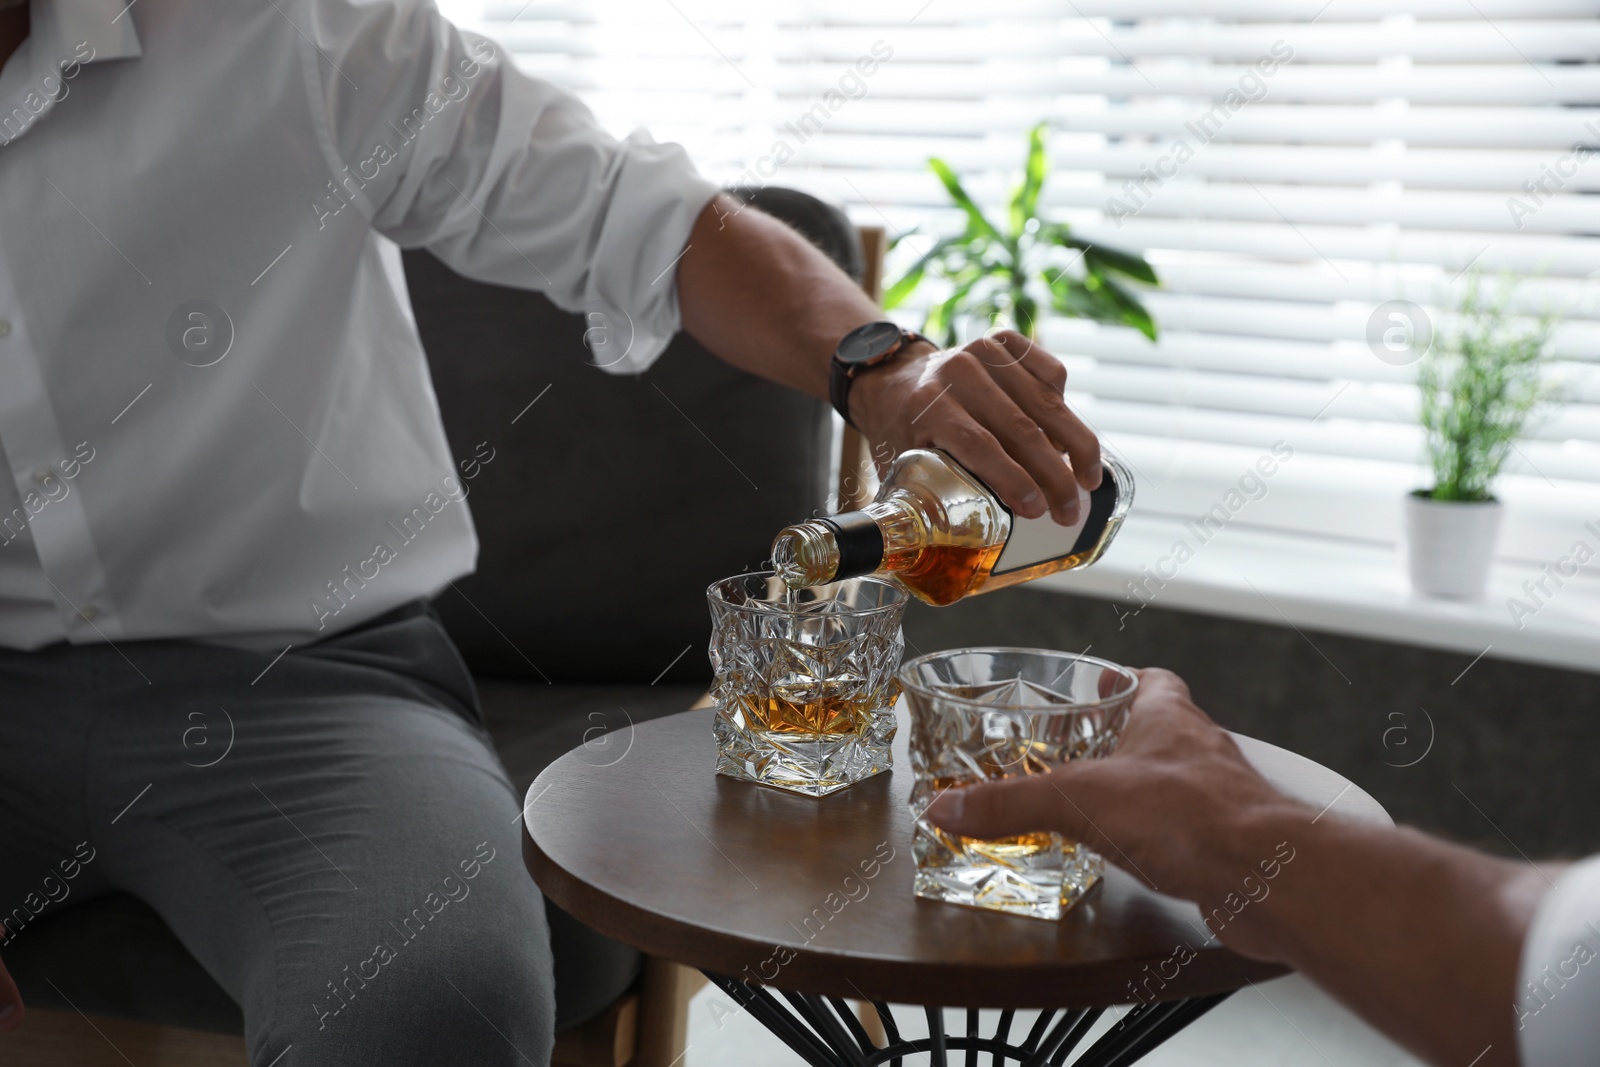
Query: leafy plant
pixel 1481 385
pixel 1000 272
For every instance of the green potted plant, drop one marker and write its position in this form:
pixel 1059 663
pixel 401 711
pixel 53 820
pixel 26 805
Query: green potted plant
pixel 1000 273
pixel 1480 385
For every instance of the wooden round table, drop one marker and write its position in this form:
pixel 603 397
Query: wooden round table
pixel 771 892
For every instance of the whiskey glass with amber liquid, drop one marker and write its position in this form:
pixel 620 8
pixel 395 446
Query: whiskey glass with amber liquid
pixel 805 680
pixel 981 714
pixel 938 530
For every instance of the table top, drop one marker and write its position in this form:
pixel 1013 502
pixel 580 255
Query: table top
pixel 642 840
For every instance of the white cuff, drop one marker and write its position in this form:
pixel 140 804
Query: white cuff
pixel 632 311
pixel 1558 990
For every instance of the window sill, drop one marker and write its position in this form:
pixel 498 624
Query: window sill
pixel 1346 587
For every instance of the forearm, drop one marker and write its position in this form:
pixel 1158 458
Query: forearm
pixel 761 297
pixel 1420 937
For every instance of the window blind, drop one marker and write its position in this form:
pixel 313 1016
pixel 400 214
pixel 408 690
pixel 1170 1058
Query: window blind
pixel 1288 166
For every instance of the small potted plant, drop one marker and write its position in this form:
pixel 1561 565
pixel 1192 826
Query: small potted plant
pixel 1480 385
pixel 1000 273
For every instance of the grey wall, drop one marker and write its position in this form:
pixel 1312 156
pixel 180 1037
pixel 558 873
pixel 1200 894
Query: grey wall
pixel 1519 742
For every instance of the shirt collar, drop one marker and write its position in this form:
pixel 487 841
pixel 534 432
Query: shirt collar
pixel 106 26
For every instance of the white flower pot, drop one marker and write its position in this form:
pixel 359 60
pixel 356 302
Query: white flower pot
pixel 1450 545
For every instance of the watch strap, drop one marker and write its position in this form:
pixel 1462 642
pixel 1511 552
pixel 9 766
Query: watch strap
pixel 839 378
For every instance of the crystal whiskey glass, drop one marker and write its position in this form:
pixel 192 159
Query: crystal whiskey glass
pixel 980 714
pixel 805 680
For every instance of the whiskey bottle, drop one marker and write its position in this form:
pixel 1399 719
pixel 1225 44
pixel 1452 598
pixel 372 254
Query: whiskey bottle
pixel 940 532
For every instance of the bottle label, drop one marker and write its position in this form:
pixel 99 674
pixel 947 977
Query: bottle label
pixel 1035 541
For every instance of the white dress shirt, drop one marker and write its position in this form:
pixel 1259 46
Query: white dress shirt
pixel 1558 991
pixel 215 412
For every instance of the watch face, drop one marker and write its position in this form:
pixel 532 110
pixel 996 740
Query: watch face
pixel 867 343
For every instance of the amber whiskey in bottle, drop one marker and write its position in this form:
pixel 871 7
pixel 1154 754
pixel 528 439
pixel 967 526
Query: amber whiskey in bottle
pixel 940 532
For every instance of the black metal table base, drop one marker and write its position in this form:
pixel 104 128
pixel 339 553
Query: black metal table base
pixel 826 1033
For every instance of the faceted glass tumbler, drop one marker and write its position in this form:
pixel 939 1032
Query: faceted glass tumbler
pixel 805 680
pixel 979 714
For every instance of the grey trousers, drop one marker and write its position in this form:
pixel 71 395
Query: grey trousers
pixel 333 839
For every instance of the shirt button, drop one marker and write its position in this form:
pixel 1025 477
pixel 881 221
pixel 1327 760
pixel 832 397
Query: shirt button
pixel 44 474
pixel 5 327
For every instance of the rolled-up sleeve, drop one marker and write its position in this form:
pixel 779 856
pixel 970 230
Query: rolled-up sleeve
pixel 444 144
pixel 1558 991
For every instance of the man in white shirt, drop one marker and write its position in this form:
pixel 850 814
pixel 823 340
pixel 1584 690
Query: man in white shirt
pixel 212 399
pixel 1467 960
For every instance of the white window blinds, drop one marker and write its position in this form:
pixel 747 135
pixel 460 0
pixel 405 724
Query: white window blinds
pixel 1286 165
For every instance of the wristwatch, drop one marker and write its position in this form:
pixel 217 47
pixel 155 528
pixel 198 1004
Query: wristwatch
pixel 864 347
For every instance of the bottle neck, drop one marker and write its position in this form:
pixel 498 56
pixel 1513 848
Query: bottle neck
pixel 885 535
